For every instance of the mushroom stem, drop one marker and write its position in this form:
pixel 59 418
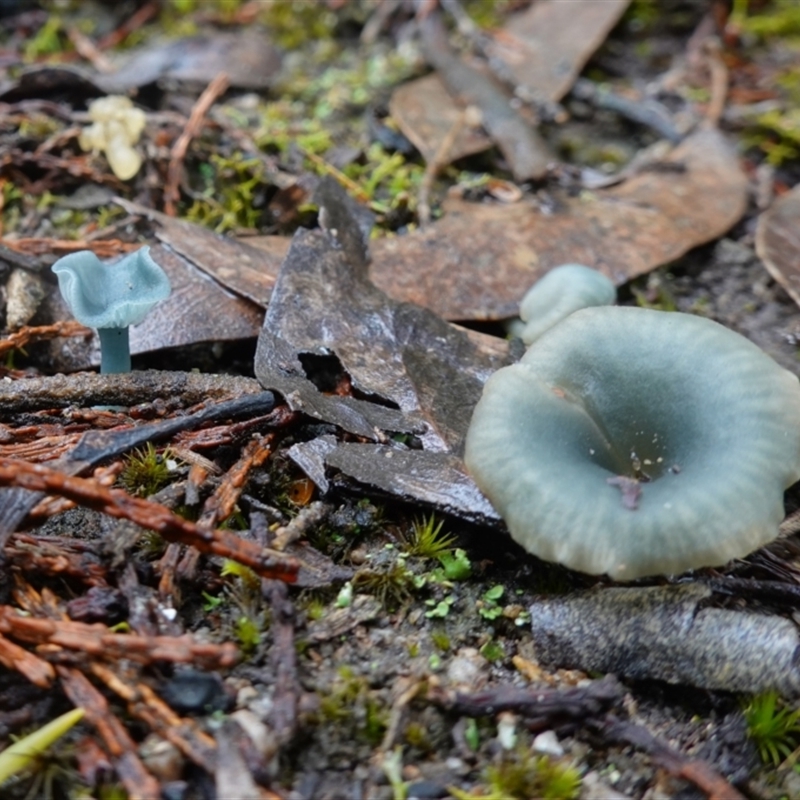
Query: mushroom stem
pixel 115 350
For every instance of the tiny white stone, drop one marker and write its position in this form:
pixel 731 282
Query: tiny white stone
pixel 547 743
pixel 507 731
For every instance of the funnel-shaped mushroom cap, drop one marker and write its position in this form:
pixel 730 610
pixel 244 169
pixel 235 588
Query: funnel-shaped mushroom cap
pixel 635 442
pixel 558 294
pixel 114 295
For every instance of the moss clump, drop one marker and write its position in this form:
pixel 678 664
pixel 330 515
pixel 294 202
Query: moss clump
pixel 777 134
pixel 778 18
pixel 293 23
pixel 49 40
pixel 427 540
pixel 773 726
pixel 521 775
pixel 351 703
pixel 244 590
pixel 387 180
pixel 146 471
pixel 228 199
pixel 392 586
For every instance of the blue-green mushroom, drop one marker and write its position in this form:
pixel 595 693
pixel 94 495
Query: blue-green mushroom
pixel 557 294
pixel 634 442
pixel 111 297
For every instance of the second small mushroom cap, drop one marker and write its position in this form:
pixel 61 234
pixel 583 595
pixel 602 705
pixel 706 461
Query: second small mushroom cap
pixel 558 294
pixel 635 442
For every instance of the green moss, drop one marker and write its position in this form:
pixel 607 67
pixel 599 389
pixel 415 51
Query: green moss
pixel 489 15
pixel 146 471
pixel 441 641
pixel 773 726
pixel 285 123
pixel 351 703
pixel 244 591
pixel 493 651
pixel 387 180
pixel 12 206
pixel 777 134
pixel 654 291
pixel 489 606
pixel 49 40
pixel 38 126
pixel 392 585
pixel 427 540
pixel 248 634
pixel 178 18
pixel 228 200
pixel 417 736
pixel 456 566
pixel 293 23
pixel 249 579
pixel 778 18
pixel 521 775
pixel 151 545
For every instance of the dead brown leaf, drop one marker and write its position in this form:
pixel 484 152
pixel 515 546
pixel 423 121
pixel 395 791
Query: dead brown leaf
pixel 426 113
pixel 778 241
pixel 546 46
pixel 247 56
pixel 478 260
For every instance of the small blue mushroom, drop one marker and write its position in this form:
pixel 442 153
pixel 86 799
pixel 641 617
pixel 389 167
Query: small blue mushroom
pixel 558 294
pixel 111 297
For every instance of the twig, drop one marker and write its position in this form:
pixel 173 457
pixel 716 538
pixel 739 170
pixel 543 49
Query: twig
pixel 107 248
pixel 87 49
pixel 309 516
pixel 523 147
pixel 719 80
pixel 99 641
pixel 545 108
pixel 329 169
pixel 143 703
pixel 540 707
pixel 33 668
pixel 284 661
pixel 207 99
pixel 138 782
pixel 55 556
pixel 380 15
pixel 24 336
pixel 700 773
pixel 220 505
pixel 439 160
pixel 142 15
pixel 648 113
pixel 142 386
pixel 117 503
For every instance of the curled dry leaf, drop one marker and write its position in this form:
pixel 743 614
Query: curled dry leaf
pixel 778 241
pixel 248 58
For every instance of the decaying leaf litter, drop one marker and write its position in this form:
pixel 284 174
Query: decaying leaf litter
pixel 309 707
